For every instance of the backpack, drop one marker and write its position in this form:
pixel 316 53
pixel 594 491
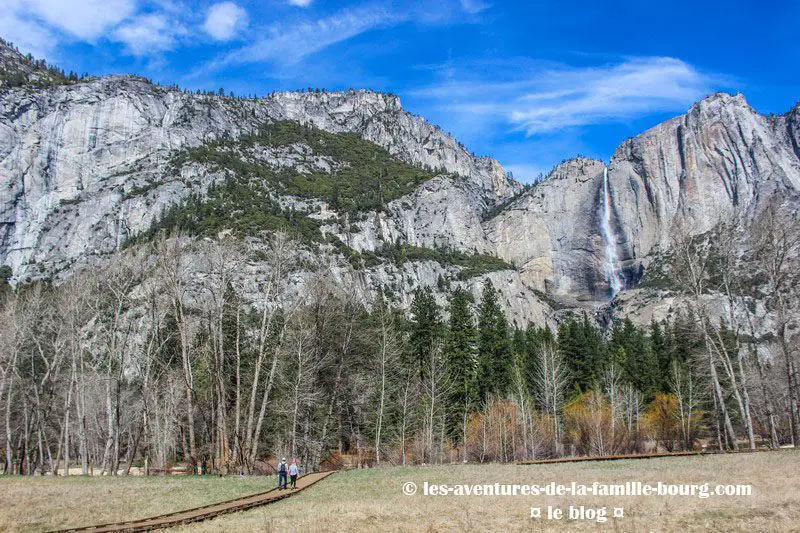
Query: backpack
pixel 283 468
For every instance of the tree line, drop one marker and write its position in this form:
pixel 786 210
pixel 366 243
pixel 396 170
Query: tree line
pixel 206 352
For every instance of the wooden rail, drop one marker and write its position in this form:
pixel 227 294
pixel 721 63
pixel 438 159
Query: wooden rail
pixel 205 512
pixel 637 456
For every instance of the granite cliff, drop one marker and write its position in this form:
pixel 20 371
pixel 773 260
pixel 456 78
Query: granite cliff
pixel 87 165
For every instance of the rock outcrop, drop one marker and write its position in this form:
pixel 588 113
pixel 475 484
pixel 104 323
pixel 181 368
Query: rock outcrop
pixel 553 232
pixel 71 155
pixel 685 175
pixel 696 170
pixel 86 164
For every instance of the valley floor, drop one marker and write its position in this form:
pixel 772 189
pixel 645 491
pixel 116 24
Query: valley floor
pixel 373 499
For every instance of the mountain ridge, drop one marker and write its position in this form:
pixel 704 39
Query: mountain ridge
pixel 86 166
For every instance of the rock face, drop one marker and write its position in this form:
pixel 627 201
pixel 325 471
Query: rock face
pixel 443 212
pixel 85 165
pixel 70 156
pixel 553 232
pixel 686 174
pixel 695 170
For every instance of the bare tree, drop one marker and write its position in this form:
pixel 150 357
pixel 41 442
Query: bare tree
pixel 682 383
pixel 435 386
pixel 612 385
pixel 175 271
pixel 690 269
pixel 730 268
pixel 550 380
pixel 524 401
pixel 280 257
pixel 222 261
pixel 10 345
pixel 775 245
pixel 388 353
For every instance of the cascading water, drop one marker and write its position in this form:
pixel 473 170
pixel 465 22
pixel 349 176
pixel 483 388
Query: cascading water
pixel 611 261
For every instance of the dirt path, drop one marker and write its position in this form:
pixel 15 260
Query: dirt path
pixel 209 511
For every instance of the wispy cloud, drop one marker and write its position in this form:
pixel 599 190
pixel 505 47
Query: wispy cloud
pixel 475 6
pixel 543 99
pixel 300 3
pixel 633 88
pixel 288 43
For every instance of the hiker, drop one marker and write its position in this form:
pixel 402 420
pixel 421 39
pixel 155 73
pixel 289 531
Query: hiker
pixel 282 470
pixel 293 471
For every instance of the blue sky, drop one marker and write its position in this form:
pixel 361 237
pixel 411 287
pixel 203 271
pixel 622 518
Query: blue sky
pixel 529 83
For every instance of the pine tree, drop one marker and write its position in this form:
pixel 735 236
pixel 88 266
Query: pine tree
pixel 494 359
pixel 461 358
pixel 596 355
pixel 641 366
pixel 661 344
pixel 519 345
pixel 533 338
pixel 425 328
pixel 687 338
pixel 582 346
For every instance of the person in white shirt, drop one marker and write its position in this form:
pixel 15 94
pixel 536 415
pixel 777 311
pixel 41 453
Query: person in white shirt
pixel 293 471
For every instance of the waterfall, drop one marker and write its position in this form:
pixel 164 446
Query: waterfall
pixel 611 260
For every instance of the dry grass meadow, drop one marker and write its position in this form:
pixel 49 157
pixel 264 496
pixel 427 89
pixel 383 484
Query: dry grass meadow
pixel 372 500
pixel 46 503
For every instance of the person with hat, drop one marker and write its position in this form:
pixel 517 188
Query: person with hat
pixel 282 471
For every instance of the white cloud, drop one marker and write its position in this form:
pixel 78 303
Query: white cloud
pixel 224 20
pixel 288 44
pixel 474 6
pixel 28 36
pixel 36 26
pixel 547 99
pixel 149 34
pixel 85 19
pixel 300 3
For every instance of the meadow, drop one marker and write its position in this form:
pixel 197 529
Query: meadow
pixel 373 499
